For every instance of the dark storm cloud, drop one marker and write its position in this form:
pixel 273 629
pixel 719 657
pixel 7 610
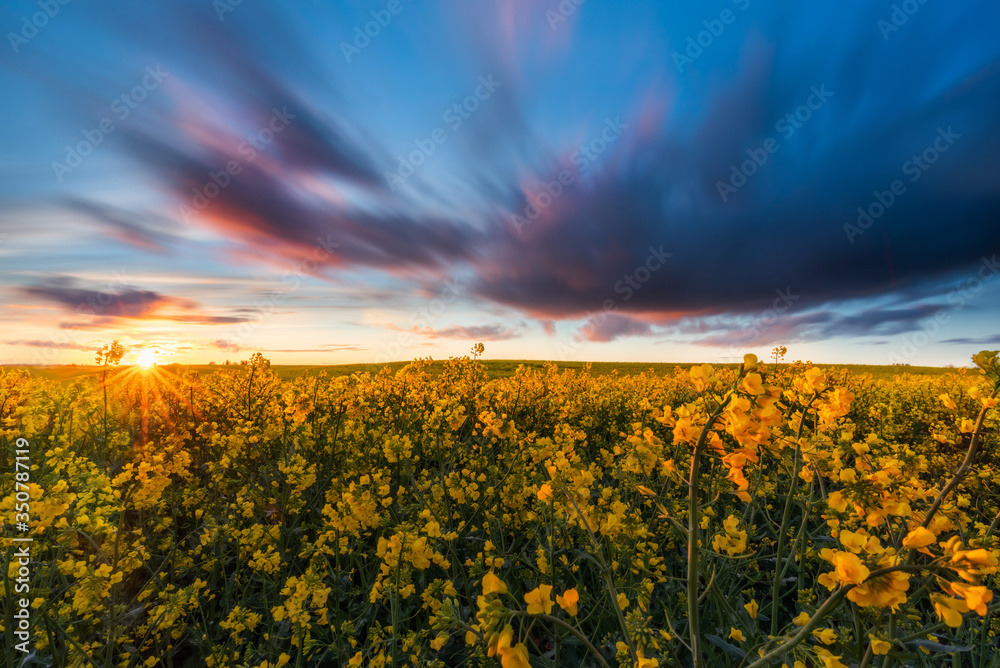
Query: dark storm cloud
pixel 784 227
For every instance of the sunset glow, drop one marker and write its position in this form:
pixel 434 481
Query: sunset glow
pixel 146 358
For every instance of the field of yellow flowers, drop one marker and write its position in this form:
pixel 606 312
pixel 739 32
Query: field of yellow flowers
pixel 755 516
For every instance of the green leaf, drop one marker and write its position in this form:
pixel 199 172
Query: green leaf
pixel 726 647
pixel 938 647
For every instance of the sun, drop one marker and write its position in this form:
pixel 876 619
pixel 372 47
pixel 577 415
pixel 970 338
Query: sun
pixel 146 359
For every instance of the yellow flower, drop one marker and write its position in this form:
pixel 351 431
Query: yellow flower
pixel 879 647
pixel 356 660
pixel 545 492
pixel 919 537
pixel 622 601
pixel 493 585
pixel 854 542
pixel 980 557
pixel 568 601
pixel 752 384
pixel 701 376
pixel 802 619
pixel 539 600
pixel 283 660
pixel 826 636
pixel 849 569
pixel 947 401
pixel 837 502
pixel 439 642
pixel 500 642
pixel 828 658
pixel 752 607
pixel 736 634
pixel 511 657
pixel 644 662
pixel 976 597
pixel 950 609
pixel 815 379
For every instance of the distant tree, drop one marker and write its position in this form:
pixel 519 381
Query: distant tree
pixel 778 353
pixel 212 363
pixel 477 350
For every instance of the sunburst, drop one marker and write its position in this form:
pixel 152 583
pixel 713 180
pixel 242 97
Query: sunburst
pixel 146 358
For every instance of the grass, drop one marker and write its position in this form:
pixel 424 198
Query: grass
pixel 497 369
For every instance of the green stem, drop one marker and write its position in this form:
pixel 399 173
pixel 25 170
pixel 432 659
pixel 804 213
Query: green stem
pixel 694 623
pixel 608 579
pixel 776 585
pixel 962 469
pixel 783 649
pixel 582 638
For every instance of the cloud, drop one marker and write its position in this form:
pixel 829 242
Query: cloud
pixel 817 325
pixel 611 326
pixel 126 303
pixel 223 344
pixel 124 225
pixel 50 344
pixel 489 332
pixel 975 341
pixel 105 307
pixel 323 349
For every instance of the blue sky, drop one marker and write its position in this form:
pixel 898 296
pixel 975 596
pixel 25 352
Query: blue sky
pixel 356 182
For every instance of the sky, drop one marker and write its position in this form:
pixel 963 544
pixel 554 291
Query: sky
pixel 358 182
